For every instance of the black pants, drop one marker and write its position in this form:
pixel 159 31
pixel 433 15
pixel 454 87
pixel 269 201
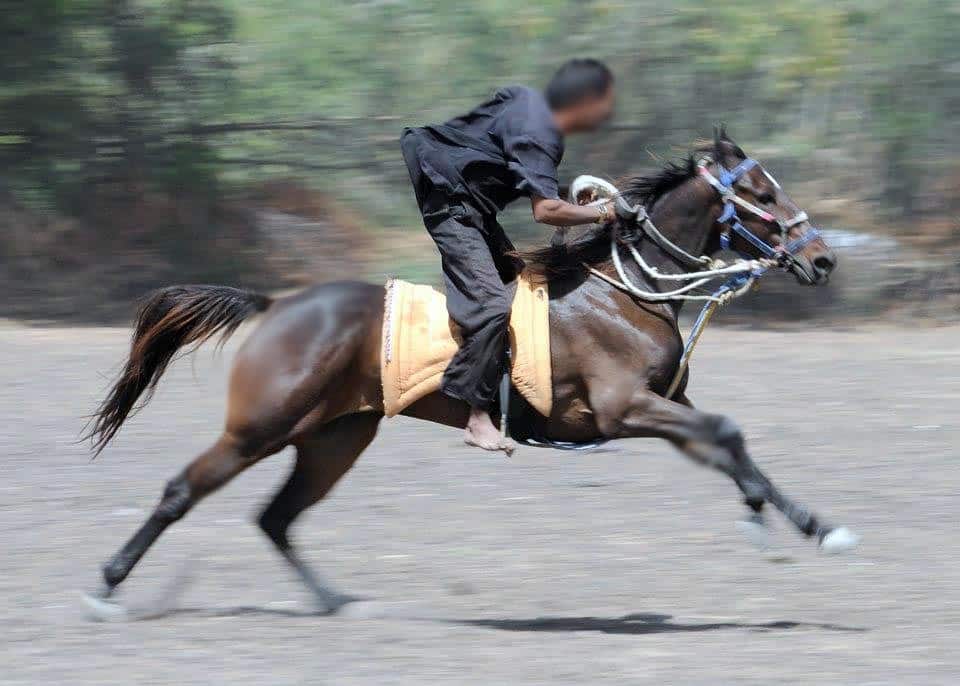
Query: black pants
pixel 476 268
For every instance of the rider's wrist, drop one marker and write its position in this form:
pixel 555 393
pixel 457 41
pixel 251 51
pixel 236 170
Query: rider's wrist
pixel 603 213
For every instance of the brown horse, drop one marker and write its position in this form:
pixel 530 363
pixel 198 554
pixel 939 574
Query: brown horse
pixel 315 357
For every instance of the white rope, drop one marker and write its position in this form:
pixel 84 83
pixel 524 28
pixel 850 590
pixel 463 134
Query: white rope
pixel 698 279
pixel 720 268
pixel 694 280
pixel 650 295
pixel 602 188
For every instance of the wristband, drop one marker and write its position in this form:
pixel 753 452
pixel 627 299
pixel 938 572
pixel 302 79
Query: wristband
pixel 603 215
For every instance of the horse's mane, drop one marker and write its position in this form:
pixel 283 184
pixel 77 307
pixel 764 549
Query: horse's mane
pixel 593 246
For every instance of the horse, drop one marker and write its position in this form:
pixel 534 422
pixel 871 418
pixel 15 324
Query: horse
pixel 315 357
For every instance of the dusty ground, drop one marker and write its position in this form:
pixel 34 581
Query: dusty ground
pixel 617 567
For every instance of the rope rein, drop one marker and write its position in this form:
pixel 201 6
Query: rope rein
pixel 740 276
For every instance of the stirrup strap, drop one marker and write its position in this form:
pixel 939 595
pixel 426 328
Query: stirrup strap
pixel 505 396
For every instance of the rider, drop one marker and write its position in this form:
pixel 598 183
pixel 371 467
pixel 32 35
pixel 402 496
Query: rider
pixel 468 169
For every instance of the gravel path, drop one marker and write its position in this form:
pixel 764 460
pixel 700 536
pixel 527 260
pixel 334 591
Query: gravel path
pixel 619 567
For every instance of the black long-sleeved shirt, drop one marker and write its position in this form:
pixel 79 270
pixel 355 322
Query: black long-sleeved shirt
pixel 505 148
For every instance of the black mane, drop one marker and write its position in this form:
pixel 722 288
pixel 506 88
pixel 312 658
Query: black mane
pixel 646 190
pixel 593 246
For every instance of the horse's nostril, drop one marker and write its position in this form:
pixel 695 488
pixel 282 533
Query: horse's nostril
pixel 824 263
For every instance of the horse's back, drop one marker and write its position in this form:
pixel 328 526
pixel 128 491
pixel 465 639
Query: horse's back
pixel 316 354
pixel 327 315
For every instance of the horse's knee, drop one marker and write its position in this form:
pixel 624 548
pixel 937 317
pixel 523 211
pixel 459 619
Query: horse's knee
pixel 754 494
pixel 274 524
pixel 176 501
pixel 727 433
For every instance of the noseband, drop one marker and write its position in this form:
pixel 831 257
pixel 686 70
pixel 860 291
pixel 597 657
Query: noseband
pixel 740 277
pixel 725 185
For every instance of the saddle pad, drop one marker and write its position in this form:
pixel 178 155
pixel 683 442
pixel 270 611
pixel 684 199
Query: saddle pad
pixel 419 340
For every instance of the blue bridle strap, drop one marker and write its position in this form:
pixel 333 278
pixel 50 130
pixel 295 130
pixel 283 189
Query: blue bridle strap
pixel 797 244
pixel 736 225
pixel 728 178
pixel 725 185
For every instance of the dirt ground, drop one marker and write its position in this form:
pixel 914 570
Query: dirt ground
pixel 617 567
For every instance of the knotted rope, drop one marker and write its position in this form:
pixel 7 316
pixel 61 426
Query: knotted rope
pixel 740 276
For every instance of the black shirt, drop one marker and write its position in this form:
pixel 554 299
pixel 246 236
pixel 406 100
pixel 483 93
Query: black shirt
pixel 503 149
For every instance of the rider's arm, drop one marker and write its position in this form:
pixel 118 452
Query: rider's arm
pixel 556 212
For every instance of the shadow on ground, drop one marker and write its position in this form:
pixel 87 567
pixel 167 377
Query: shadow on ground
pixel 638 623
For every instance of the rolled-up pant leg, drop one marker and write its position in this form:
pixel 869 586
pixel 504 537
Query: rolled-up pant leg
pixel 479 302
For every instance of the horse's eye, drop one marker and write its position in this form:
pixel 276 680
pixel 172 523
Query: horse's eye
pixel 766 199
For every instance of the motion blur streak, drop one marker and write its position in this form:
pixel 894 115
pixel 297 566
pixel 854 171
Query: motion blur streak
pixel 254 144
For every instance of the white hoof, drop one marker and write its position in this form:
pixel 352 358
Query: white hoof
pixel 840 540
pixel 363 609
pixel 102 610
pixel 756 532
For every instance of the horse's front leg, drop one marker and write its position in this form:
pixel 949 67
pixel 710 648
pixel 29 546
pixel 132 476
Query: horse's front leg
pixel 732 459
pixel 711 439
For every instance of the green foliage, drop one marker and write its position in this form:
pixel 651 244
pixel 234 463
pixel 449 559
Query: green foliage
pixel 105 91
pixel 97 85
pixel 189 168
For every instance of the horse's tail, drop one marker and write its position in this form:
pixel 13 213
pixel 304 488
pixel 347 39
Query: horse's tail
pixel 168 320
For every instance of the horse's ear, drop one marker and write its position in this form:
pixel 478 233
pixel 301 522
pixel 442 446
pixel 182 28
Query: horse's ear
pixel 722 143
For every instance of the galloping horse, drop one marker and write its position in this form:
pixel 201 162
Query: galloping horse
pixel 316 356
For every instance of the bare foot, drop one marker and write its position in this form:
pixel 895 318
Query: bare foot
pixel 481 433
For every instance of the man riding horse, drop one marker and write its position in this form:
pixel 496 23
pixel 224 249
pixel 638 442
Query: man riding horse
pixel 310 375
pixel 470 168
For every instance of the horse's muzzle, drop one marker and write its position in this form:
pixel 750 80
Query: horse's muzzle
pixel 814 270
pixel 823 264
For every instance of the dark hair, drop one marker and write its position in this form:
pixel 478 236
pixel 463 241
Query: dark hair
pixel 576 80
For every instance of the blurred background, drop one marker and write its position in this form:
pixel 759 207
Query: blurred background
pixel 146 142
pixel 255 143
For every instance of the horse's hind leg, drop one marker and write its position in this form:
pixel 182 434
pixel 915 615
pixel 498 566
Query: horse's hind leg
pixel 323 457
pixel 209 471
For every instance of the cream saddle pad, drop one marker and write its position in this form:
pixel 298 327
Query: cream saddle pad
pixel 419 340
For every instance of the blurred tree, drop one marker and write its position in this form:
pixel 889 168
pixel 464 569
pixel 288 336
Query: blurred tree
pixel 138 116
pixel 96 87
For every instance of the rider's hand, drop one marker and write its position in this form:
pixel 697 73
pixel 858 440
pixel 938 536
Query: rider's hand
pixel 625 212
pixel 626 218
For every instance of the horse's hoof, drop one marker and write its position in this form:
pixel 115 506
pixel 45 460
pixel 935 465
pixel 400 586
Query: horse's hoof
pixel 839 540
pixel 337 603
pixel 756 532
pixel 99 609
pixel 362 609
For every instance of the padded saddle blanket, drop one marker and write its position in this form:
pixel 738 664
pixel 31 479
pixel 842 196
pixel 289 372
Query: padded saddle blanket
pixel 420 339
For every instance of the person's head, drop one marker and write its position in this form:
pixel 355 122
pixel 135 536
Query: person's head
pixel 581 95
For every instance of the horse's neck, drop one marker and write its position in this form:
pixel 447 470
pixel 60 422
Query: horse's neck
pixel 690 229
pixel 685 217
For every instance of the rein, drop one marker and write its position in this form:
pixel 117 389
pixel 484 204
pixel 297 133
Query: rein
pixel 725 186
pixel 742 275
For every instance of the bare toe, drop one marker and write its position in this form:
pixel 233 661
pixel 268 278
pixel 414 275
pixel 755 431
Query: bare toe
pixel 493 444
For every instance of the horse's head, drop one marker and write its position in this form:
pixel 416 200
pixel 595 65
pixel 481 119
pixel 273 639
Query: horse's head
pixel 759 219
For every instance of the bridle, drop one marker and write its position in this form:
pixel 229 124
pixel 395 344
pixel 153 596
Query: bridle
pixel 725 184
pixel 739 277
